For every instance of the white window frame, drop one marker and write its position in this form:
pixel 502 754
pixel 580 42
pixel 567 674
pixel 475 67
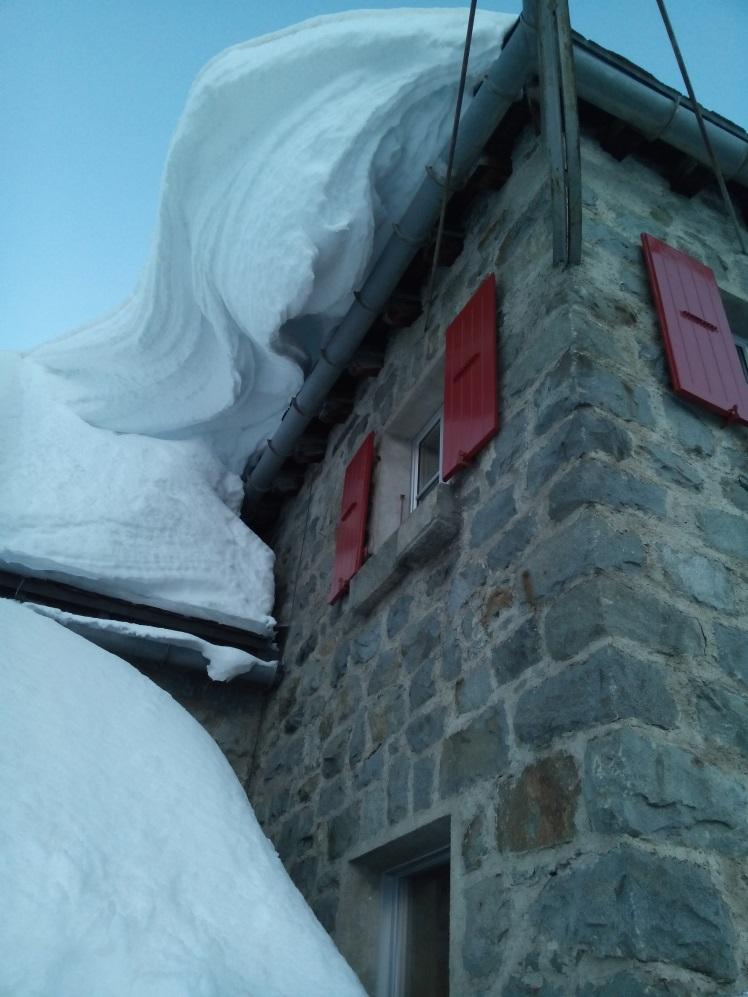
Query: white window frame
pixel 416 494
pixel 393 937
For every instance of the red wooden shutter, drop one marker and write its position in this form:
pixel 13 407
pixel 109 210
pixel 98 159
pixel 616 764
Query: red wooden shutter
pixel 350 536
pixel 471 415
pixel 702 356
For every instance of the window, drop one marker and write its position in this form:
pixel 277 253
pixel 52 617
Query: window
pixel 736 310
pixel 414 949
pixel 702 353
pixel 449 416
pixel 408 468
pixel 427 450
pixel 458 393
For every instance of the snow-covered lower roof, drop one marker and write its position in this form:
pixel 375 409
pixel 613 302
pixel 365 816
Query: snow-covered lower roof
pixel 163 646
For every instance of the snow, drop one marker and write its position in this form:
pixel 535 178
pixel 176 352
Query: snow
pixel 223 663
pixel 121 443
pixel 133 516
pixel 133 865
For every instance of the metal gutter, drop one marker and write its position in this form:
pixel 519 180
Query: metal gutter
pixel 71 599
pixel 621 88
pixel 604 80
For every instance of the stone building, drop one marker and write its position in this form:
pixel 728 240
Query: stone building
pixel 518 732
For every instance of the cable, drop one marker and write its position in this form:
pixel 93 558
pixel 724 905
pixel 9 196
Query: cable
pixel 450 159
pixel 702 127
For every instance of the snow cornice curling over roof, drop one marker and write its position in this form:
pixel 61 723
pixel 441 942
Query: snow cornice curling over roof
pixel 122 441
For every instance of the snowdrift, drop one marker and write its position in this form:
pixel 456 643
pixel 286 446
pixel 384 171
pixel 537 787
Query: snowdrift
pixel 125 514
pixel 295 154
pixel 133 865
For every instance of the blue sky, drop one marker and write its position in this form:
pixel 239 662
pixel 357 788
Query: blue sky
pixel 91 90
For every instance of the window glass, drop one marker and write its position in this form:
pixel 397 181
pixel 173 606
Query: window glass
pixel 736 310
pixel 742 346
pixel 427 460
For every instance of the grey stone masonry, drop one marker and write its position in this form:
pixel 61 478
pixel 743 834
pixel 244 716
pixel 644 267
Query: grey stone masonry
pixel 631 903
pixel 551 657
pixel 645 788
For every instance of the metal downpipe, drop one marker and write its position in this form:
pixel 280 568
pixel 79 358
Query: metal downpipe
pixel 499 90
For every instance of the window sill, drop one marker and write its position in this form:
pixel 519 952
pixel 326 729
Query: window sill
pixel 420 537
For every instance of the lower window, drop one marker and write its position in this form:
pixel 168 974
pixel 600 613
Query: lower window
pixel 414 953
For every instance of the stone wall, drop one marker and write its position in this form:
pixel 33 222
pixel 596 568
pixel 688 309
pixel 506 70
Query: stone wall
pixel 566 678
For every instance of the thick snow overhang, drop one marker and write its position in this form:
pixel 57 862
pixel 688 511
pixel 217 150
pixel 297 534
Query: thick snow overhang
pixel 643 105
pixel 540 45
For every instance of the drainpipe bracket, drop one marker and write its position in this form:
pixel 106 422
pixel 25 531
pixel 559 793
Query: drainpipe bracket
pixel 275 452
pixel 657 134
pixel 407 239
pixel 488 83
pixel 441 181
pixel 367 307
pixel 295 405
